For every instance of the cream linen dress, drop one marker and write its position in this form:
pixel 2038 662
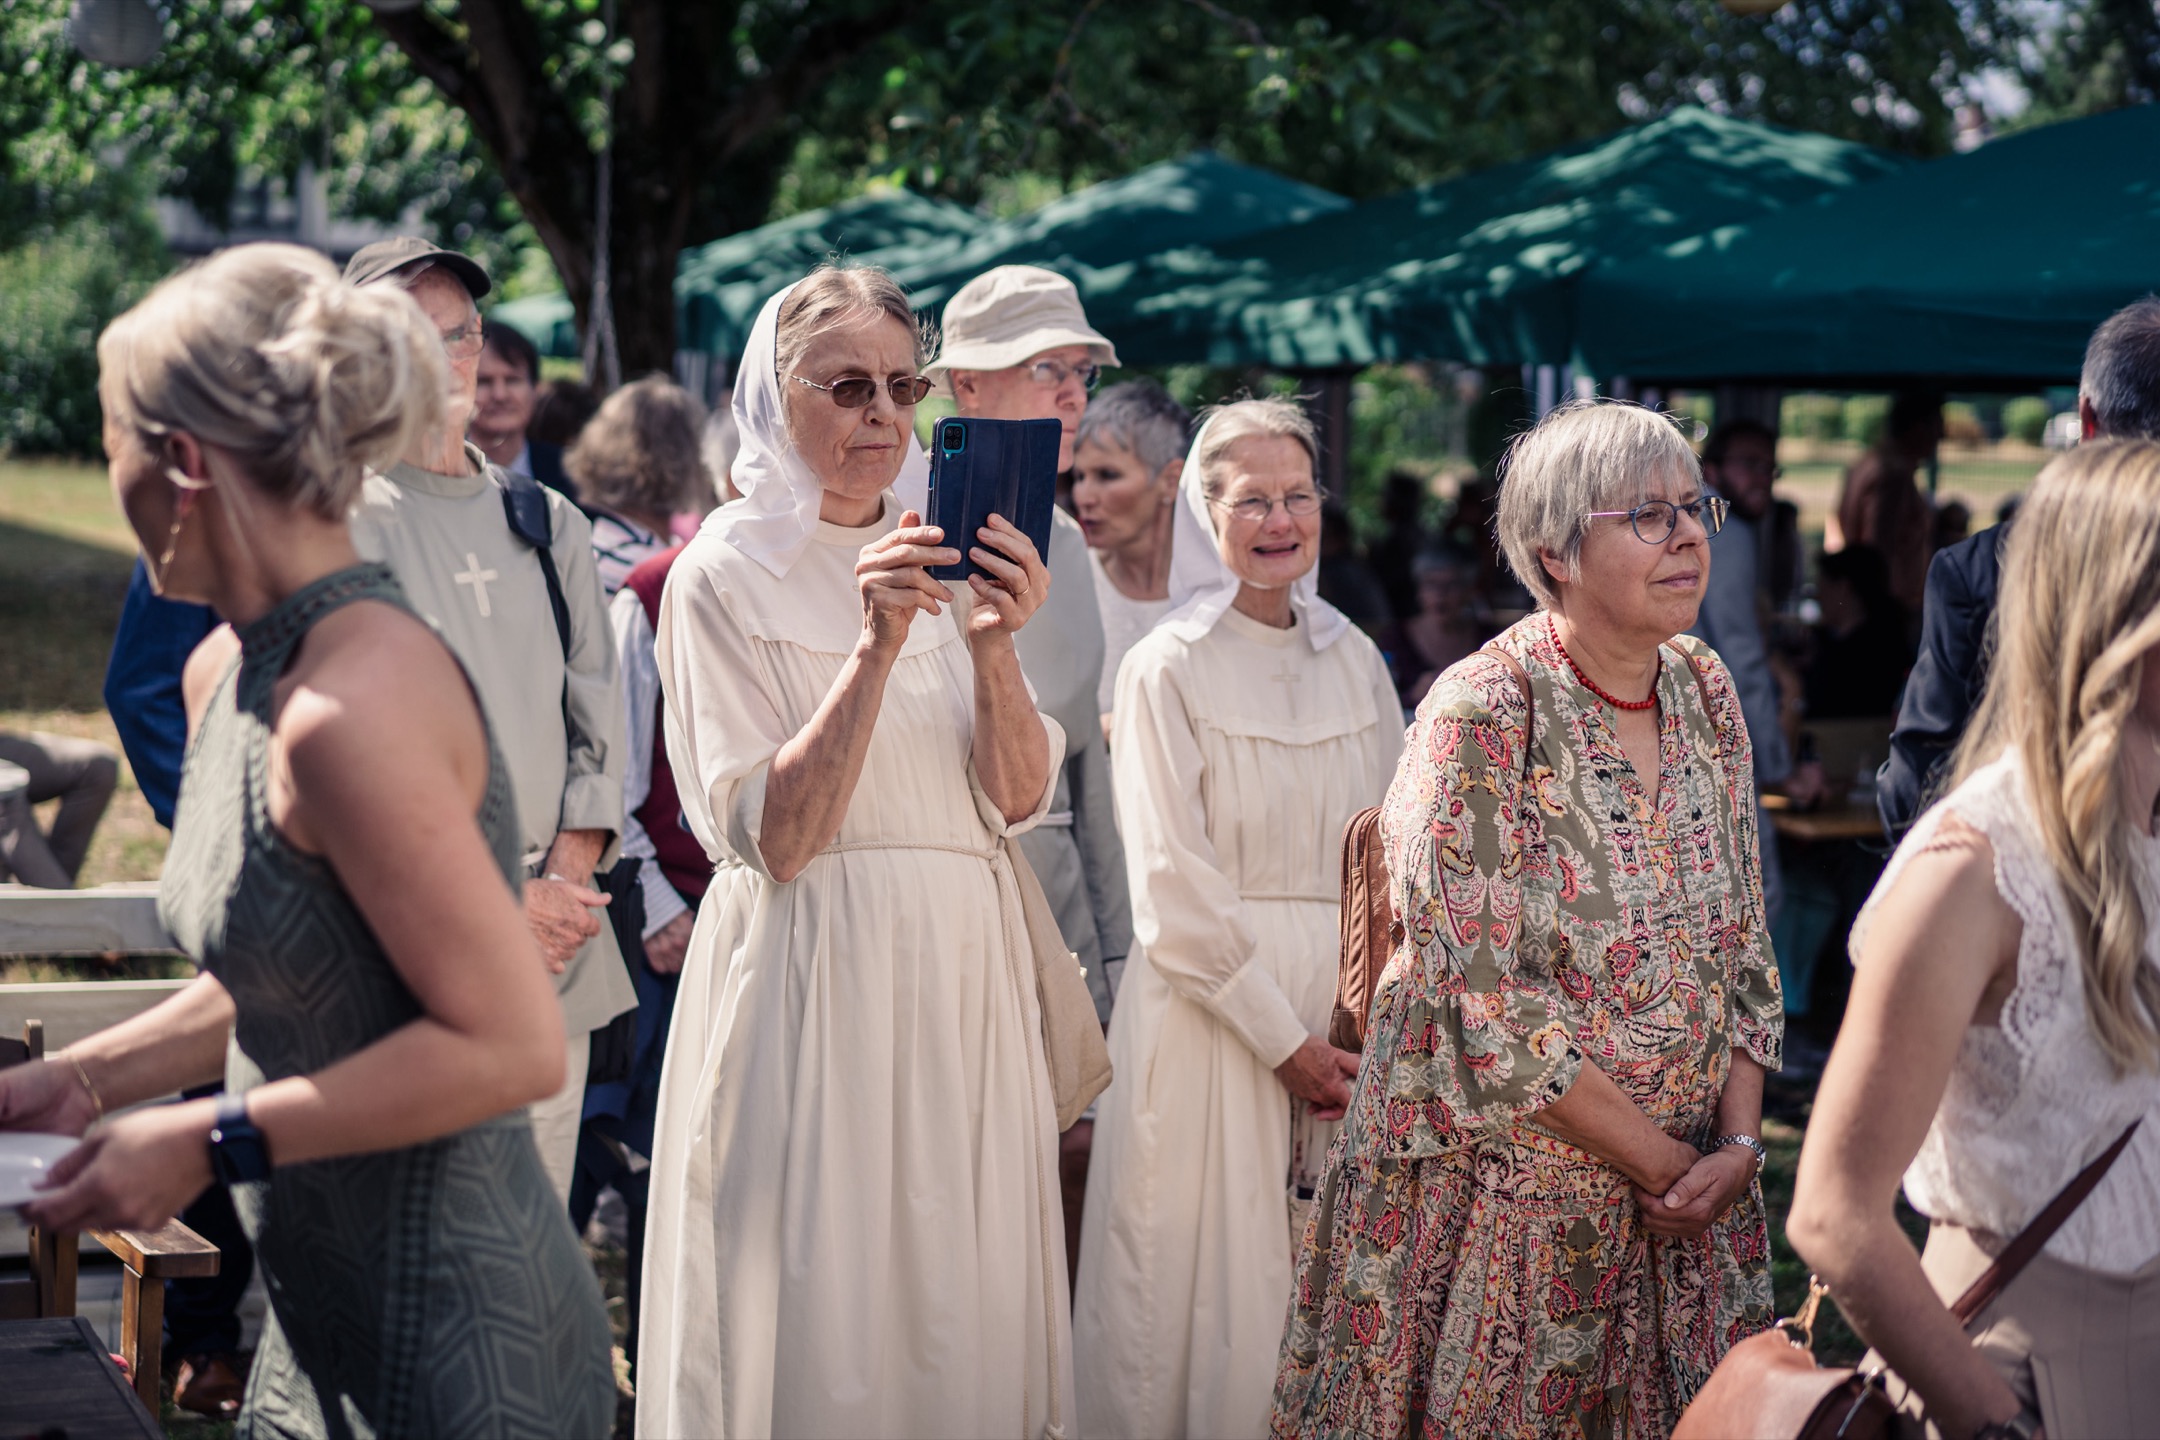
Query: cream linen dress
pixel 1239 756
pixel 855 1226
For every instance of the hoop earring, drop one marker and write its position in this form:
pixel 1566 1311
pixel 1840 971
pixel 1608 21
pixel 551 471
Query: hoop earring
pixel 156 572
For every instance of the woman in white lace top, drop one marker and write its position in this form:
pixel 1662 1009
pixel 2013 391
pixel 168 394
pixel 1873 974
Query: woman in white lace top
pixel 2004 1027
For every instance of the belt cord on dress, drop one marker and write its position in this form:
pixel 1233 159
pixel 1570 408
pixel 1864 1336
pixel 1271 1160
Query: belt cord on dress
pixel 1054 1428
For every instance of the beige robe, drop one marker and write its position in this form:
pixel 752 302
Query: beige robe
pixel 855 1227
pixel 1240 756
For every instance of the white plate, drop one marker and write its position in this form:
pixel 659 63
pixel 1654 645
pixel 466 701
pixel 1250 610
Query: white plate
pixel 24 1159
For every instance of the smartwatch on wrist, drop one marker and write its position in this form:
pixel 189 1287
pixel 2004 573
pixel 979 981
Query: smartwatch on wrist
pixel 238 1152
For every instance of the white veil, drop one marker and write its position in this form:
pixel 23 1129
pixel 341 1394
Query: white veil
pixel 1202 587
pixel 778 509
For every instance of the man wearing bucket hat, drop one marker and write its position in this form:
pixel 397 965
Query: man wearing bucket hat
pixel 1018 346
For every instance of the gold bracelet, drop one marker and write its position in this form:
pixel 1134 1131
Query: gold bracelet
pixel 83 1075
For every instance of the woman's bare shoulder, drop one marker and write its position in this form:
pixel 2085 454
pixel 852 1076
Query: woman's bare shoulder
pixel 375 688
pixel 206 665
pixel 1944 895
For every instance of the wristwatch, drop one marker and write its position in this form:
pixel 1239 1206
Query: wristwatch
pixel 238 1152
pixel 1762 1156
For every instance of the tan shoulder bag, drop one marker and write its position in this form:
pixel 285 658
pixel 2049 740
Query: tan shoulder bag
pixel 1073 1044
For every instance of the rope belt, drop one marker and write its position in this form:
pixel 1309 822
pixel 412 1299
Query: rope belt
pixel 843 847
pixel 1316 896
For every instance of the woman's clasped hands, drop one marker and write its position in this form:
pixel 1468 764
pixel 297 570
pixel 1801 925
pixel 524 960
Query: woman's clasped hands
pixel 893 576
pixel 1709 1186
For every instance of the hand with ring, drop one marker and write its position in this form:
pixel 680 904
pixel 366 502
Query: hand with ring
pixel 1016 582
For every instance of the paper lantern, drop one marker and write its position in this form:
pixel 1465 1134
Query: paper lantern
pixel 120 33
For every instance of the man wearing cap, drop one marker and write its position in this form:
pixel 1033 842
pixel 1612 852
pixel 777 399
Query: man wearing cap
pixel 437 519
pixel 1017 346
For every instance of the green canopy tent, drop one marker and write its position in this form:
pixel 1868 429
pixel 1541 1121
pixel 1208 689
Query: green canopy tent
pixel 1201 199
pixel 1992 266
pixel 719 286
pixel 1479 269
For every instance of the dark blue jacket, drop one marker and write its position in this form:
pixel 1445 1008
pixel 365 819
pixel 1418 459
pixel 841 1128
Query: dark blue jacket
pixel 1955 644
pixel 142 687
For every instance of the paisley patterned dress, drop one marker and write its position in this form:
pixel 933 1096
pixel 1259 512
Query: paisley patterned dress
pixel 1466 1272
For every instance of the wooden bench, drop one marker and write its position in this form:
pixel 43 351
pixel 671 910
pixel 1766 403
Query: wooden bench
pixel 103 920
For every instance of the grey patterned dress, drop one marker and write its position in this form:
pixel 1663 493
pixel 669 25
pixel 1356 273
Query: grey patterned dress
pixel 434 1290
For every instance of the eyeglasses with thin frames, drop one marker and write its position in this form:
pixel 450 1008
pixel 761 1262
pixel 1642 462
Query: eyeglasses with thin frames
pixel 1655 520
pixel 1050 374
pixel 856 391
pixel 1254 509
pixel 464 342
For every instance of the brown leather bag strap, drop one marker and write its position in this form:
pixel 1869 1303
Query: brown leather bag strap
pixel 1522 683
pixel 1997 1277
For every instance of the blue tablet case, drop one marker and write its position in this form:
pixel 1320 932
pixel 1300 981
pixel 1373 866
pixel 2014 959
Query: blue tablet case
pixel 982 467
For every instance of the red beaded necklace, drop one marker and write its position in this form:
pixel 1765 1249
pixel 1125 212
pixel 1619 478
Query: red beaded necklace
pixel 1591 685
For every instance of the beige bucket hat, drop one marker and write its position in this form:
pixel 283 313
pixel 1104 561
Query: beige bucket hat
pixel 1005 316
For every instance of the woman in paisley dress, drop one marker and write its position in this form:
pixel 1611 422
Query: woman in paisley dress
pixel 1542 1216
pixel 370 992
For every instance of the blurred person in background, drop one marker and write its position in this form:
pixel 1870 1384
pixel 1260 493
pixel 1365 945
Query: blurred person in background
pixel 504 397
pixel 1403 537
pixel 439 519
pixel 2118 398
pixel 636 463
pixel 1446 626
pixel 560 410
pixel 1251 725
pixel 1126 460
pixel 1346 576
pixel 1018 346
pixel 1861 650
pixel 36 767
pixel 1880 502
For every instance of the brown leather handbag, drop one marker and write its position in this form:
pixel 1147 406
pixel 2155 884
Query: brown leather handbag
pixel 1369 929
pixel 1768 1387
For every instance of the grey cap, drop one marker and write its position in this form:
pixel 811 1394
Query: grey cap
pixel 385 258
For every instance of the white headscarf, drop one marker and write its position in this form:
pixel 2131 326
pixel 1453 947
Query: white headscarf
pixel 1202 587
pixel 778 511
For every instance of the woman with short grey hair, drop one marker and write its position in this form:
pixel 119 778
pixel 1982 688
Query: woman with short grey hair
pixel 1250 726
pixel 1543 1216
pixel 855 1212
pixel 1126 462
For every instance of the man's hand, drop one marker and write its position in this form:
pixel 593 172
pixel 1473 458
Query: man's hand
pixel 667 947
pixel 563 916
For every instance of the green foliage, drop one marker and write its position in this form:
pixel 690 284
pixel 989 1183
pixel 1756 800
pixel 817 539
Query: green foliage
pixel 2025 419
pixel 1811 417
pixel 1408 417
pixel 1864 417
pixel 59 286
pixel 1962 424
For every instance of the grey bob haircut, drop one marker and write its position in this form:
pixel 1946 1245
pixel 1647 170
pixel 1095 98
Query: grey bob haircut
pixel 1139 416
pixel 1586 455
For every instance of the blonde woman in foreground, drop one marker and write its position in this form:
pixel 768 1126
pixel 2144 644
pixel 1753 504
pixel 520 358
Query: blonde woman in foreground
pixel 2004 1027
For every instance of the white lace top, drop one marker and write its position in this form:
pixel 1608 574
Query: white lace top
pixel 2030 1103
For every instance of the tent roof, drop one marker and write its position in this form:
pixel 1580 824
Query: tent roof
pixel 1993 265
pixel 549 321
pixel 1200 199
pixel 1477 268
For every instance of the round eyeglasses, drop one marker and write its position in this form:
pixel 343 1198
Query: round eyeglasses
pixel 1655 520
pixel 1254 509
pixel 857 391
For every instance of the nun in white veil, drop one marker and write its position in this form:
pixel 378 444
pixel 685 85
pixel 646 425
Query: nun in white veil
pixel 854 1220
pixel 1251 724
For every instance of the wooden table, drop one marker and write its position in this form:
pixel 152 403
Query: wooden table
pixel 1840 822
pixel 56 1377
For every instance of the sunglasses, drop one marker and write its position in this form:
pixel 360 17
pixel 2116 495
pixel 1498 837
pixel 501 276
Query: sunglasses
pixel 857 391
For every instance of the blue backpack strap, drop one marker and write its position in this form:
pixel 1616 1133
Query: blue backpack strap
pixel 525 506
